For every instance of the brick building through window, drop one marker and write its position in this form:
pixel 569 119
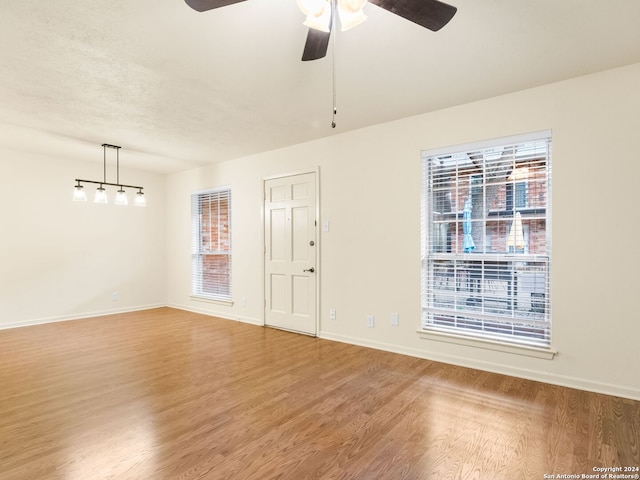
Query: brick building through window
pixel 211 244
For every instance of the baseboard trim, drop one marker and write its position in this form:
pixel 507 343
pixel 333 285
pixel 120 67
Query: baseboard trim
pixel 218 314
pixel 553 379
pixel 77 316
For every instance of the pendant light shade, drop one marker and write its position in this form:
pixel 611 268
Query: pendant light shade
pixel 121 198
pixel 78 194
pixel 101 195
pixel 140 201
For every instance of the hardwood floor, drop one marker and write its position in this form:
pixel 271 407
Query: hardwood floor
pixel 168 394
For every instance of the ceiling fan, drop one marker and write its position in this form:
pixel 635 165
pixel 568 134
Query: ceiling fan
pixel 431 14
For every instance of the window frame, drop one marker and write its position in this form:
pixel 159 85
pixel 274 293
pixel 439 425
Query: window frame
pixel 432 253
pixel 211 286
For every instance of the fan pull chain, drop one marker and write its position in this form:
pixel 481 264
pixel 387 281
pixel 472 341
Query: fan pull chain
pixel 335 34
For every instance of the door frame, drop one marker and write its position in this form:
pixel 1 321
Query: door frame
pixel 318 273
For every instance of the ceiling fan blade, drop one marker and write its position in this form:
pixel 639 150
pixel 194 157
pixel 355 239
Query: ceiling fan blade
pixel 204 5
pixel 316 45
pixel 431 14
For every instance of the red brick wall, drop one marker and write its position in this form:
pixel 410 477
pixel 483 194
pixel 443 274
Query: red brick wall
pixel 498 227
pixel 214 218
pixel 215 274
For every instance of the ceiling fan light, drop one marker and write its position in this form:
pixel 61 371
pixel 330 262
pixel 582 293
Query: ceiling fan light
pixel 349 20
pixel 321 21
pixel 351 13
pixel 351 6
pixel 312 6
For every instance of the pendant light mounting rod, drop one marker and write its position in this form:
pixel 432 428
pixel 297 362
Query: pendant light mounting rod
pixel 117 184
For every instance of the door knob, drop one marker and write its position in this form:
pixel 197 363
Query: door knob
pixel 310 270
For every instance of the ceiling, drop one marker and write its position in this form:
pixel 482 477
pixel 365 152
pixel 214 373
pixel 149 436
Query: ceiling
pixel 177 88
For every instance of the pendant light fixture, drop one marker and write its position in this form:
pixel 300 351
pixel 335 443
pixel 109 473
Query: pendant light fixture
pixel 101 196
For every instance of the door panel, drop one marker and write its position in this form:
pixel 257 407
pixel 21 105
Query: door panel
pixel 300 225
pixel 300 296
pixel 278 240
pixel 278 193
pixel 277 300
pixel 290 253
pixel 299 191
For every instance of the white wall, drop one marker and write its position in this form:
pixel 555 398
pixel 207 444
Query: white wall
pixel 60 259
pixel 370 260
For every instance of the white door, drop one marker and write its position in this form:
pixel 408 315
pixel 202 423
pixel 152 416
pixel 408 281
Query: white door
pixel 290 253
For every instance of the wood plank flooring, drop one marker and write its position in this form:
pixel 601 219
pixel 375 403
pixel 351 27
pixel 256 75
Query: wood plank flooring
pixel 168 394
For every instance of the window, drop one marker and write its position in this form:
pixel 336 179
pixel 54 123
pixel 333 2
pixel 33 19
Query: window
pixel 486 240
pixel 211 244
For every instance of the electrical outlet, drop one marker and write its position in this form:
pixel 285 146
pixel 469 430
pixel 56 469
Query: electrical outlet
pixel 395 319
pixel 332 314
pixel 243 301
pixel 370 321
pixel 115 296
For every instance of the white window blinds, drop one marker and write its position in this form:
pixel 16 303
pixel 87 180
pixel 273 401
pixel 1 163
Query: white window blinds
pixel 487 240
pixel 211 244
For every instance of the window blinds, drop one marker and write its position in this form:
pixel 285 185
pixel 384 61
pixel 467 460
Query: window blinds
pixel 487 240
pixel 211 244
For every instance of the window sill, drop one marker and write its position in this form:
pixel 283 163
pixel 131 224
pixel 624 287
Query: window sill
pixel 527 350
pixel 227 303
